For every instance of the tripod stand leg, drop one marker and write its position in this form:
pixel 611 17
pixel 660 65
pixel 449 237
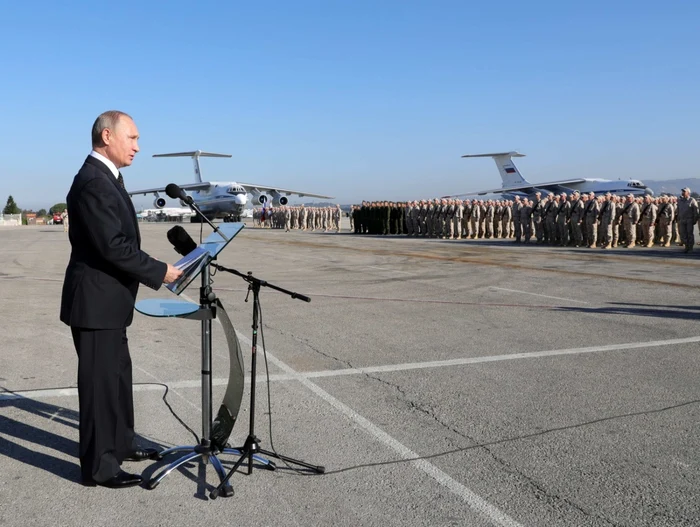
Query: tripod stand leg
pixel 227 490
pixel 319 469
pixel 153 482
pixel 265 462
pixel 224 482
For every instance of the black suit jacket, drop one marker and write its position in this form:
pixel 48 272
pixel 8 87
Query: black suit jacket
pixel 106 262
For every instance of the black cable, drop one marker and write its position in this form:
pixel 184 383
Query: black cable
pixel 269 399
pixel 165 400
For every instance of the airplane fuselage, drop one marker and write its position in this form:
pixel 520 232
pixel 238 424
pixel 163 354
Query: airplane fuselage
pixel 598 186
pixel 221 200
pixel 514 184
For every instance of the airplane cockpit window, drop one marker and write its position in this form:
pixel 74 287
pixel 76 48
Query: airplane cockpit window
pixel 636 184
pixel 236 190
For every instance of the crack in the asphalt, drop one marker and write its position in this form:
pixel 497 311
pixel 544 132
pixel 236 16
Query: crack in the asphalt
pixel 306 343
pixel 540 491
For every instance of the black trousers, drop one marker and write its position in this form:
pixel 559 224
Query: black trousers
pixel 105 399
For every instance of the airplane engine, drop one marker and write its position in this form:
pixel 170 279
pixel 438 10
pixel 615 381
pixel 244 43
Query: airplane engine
pixel 159 203
pixel 262 198
pixel 279 200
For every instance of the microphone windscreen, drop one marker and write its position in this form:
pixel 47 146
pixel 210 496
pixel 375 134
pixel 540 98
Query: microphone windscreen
pixel 181 240
pixel 173 191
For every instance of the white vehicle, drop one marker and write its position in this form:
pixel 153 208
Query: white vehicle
pixel 225 200
pixel 516 185
pixel 165 212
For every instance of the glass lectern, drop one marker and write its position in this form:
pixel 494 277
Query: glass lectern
pixel 216 432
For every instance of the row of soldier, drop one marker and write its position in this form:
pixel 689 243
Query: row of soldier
pixel 579 220
pixel 304 218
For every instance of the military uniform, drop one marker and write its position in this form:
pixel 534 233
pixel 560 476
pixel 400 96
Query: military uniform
pixel 630 217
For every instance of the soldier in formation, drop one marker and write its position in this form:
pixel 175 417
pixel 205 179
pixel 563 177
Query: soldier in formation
pixel 578 220
pixel 300 217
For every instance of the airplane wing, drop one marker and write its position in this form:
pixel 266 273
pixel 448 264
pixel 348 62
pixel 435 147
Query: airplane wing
pixel 189 186
pixel 252 188
pixel 530 188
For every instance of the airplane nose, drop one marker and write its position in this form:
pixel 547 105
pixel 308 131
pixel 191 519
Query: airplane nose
pixel 241 200
pixel 648 191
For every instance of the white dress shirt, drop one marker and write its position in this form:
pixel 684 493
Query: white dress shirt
pixel 112 167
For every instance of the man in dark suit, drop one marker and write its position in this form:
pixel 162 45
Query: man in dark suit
pixel 99 291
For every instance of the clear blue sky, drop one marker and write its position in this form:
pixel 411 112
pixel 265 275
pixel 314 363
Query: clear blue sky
pixel 357 99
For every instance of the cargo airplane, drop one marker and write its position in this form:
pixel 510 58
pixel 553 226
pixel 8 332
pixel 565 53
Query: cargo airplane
pixel 516 185
pixel 222 199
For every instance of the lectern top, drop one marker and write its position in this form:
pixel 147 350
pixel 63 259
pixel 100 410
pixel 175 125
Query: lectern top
pixel 192 264
pixel 215 243
pixel 172 307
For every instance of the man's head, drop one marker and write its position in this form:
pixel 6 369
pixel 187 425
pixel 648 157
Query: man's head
pixel 685 192
pixel 115 136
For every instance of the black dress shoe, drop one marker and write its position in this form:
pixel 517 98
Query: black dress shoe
pixel 120 481
pixel 142 454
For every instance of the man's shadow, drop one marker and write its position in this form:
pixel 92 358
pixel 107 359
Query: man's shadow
pixel 43 438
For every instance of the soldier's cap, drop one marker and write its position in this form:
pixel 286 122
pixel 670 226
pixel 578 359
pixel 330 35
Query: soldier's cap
pixel 686 188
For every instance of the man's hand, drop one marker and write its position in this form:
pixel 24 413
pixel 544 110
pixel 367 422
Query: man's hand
pixel 171 275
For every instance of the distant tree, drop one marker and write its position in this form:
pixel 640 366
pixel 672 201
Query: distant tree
pixel 58 207
pixel 11 207
pixel 42 212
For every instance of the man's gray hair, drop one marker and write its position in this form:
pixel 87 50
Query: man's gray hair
pixel 108 119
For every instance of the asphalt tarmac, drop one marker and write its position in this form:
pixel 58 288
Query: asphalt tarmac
pixel 439 382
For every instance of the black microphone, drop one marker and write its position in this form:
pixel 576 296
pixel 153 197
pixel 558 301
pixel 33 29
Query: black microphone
pixel 175 192
pixel 183 242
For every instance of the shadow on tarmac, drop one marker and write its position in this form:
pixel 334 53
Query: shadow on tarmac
pixel 44 439
pixel 519 438
pixel 639 310
pixel 40 437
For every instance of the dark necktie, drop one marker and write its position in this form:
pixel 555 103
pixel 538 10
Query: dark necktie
pixel 120 180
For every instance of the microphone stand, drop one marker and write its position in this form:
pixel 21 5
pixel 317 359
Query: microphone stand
pixel 252 443
pixel 195 208
pixel 175 192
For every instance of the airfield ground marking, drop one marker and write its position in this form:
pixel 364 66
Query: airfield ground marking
pixel 170 387
pixel 137 388
pixel 388 368
pixel 473 500
pixel 538 294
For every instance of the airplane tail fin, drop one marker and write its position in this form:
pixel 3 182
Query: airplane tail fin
pixel 195 160
pixel 509 172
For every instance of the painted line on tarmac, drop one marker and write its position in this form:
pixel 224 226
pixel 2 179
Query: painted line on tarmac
pixel 496 358
pixel 473 500
pixel 538 294
pixel 389 368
